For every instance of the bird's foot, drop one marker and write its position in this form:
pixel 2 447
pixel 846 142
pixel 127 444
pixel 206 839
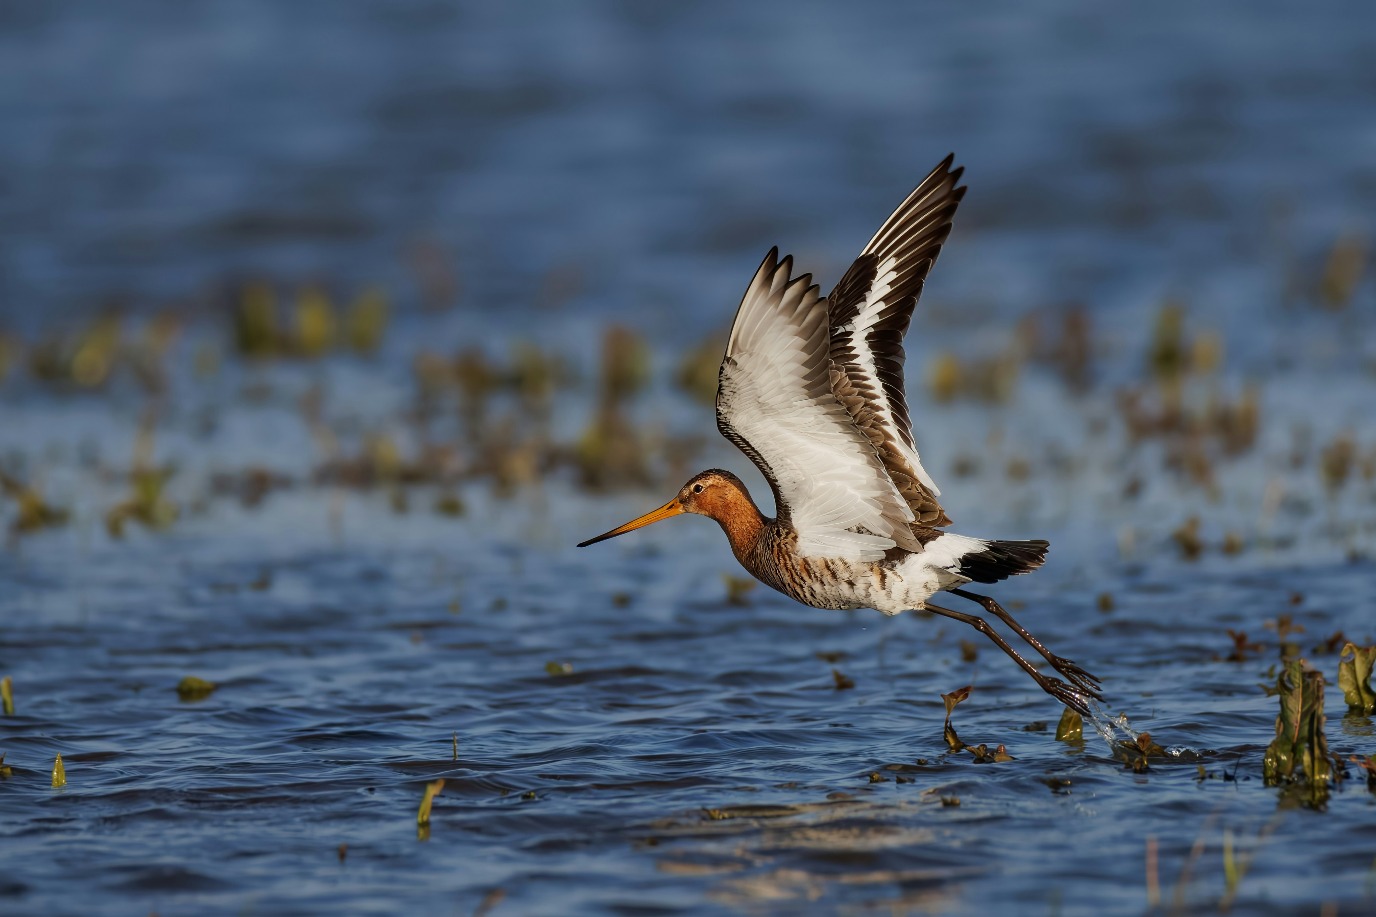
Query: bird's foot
pixel 1074 697
pixel 1082 680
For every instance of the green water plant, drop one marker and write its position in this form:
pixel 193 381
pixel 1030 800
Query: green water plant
pixel 34 511
pixel 148 503
pixel 1299 751
pixel 365 323
pixel 1354 678
pixel 738 588
pixel 432 789
pixel 192 688
pixel 1071 728
pixel 59 774
pixel 7 695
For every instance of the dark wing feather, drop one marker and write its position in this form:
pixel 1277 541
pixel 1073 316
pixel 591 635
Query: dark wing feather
pixel 869 312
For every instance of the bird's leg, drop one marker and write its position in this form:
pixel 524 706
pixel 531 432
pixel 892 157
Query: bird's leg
pixel 1070 695
pixel 1078 676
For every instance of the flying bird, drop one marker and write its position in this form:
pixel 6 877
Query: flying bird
pixel 811 389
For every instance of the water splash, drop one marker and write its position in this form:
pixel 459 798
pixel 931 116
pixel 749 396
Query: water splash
pixel 1112 729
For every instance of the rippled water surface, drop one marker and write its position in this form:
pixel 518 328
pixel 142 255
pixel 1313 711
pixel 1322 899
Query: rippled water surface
pixel 625 729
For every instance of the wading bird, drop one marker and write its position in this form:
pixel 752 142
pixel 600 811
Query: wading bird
pixel 811 389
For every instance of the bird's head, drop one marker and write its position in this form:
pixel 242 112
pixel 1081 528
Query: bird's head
pixel 713 493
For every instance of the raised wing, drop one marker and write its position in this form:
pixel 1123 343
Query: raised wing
pixel 775 401
pixel 870 310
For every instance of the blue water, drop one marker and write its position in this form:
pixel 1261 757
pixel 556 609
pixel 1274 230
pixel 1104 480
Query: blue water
pixel 534 173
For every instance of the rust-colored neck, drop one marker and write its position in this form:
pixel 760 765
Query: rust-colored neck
pixel 738 517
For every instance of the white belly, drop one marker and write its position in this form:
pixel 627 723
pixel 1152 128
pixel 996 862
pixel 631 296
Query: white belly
pixel 909 584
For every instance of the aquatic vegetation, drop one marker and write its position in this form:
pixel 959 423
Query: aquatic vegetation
pixel 738 588
pixel 1285 627
pixel 6 772
pixel 1166 355
pixel 843 682
pixel 250 486
pixel 1187 539
pixel 9 354
pixel 35 512
pixel 985 755
pixel 147 505
pixel 1337 462
pixel 7 696
pixel 255 321
pixel 191 688
pixel 697 370
pixel 314 326
pixel 432 789
pixel 558 669
pixel 450 504
pixel 365 322
pixel 1342 271
pixel 982 753
pixel 59 778
pixel 84 360
pixel 1136 754
pixel 1367 765
pixel 1299 751
pixel 1354 678
pixel 1243 648
pixel 1071 728
pixel 948 732
pixel 992 380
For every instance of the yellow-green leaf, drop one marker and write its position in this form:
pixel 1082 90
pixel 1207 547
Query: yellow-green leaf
pixel 59 773
pixel 432 789
pixel 192 688
pixel 1354 678
pixel 1071 728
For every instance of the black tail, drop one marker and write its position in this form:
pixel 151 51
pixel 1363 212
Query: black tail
pixel 1002 559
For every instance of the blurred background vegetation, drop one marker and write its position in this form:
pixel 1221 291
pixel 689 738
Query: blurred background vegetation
pixel 467 242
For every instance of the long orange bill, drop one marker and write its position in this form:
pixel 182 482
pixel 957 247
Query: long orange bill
pixel 672 508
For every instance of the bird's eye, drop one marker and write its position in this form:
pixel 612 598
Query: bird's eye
pixel 697 488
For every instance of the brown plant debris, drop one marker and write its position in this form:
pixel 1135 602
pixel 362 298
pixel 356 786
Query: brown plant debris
pixel 1243 648
pixel 1135 754
pixel 34 512
pixel 1299 751
pixel 948 731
